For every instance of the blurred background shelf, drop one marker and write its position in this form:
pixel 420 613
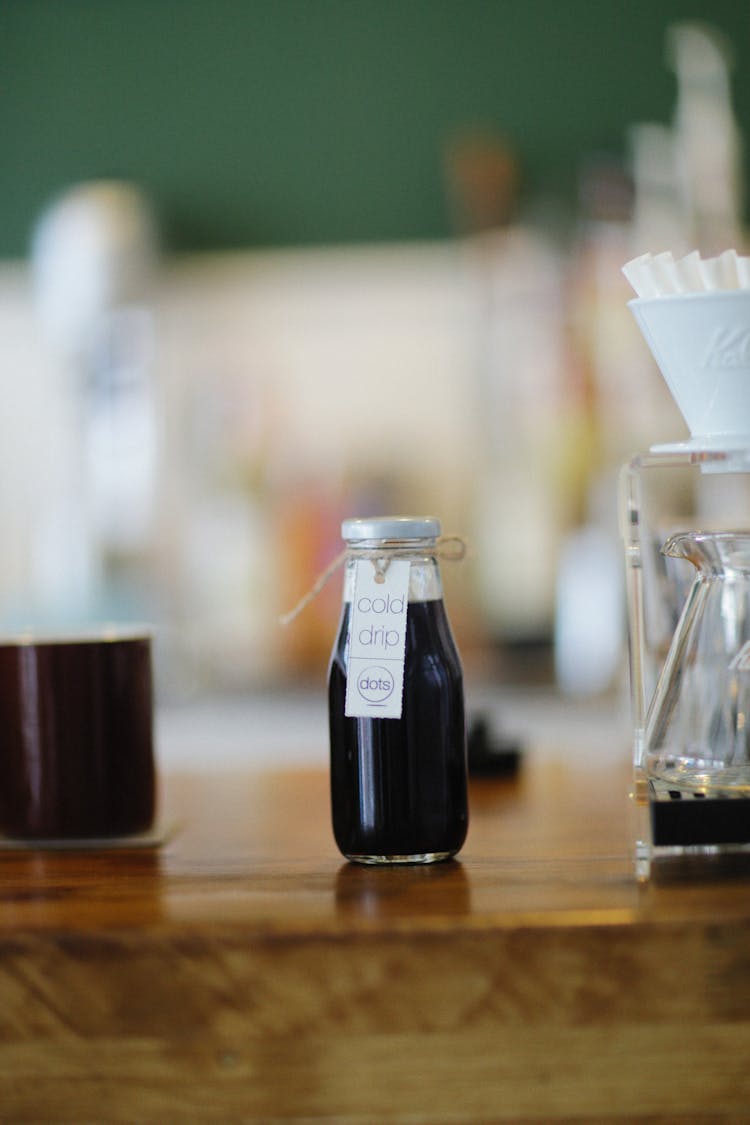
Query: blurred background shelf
pixel 267 265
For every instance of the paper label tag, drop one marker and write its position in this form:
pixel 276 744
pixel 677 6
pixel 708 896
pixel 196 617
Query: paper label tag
pixel 377 640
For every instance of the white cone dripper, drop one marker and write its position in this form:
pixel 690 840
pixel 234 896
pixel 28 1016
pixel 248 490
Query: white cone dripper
pixel 701 343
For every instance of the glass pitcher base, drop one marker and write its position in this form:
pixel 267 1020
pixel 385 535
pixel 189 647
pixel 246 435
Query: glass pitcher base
pixel 685 820
pixel 694 779
pixel 685 834
pixel 390 860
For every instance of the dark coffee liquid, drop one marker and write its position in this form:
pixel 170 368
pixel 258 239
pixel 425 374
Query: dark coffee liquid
pixel 76 739
pixel 398 786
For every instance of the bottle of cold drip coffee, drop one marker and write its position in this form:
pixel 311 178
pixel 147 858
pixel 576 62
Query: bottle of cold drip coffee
pixel 396 708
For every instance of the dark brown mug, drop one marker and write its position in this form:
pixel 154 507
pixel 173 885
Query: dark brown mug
pixel 76 735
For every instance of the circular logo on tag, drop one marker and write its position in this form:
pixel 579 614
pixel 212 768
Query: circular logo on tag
pixel 375 684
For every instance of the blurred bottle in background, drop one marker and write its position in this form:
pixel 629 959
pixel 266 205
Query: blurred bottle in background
pixel 514 274
pixel 94 257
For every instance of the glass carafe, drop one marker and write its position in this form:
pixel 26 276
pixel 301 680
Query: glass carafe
pixel 697 738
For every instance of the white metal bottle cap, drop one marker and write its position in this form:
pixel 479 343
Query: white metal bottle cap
pixel 391 527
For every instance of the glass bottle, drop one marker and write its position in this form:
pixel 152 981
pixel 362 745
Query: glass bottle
pixel 399 784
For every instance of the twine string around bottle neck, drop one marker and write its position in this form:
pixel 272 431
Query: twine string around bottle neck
pixel 448 548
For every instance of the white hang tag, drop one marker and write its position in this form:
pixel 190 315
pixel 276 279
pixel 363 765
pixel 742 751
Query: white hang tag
pixel 377 639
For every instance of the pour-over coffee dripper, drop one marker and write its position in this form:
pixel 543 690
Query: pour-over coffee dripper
pixel 687 649
pixel 701 343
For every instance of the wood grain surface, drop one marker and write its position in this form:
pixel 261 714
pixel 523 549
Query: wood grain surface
pixel 244 972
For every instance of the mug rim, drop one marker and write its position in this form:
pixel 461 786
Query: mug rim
pixel 110 633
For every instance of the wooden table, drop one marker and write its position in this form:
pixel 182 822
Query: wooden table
pixel 245 972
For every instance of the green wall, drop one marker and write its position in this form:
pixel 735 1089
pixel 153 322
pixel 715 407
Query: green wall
pixel 281 122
